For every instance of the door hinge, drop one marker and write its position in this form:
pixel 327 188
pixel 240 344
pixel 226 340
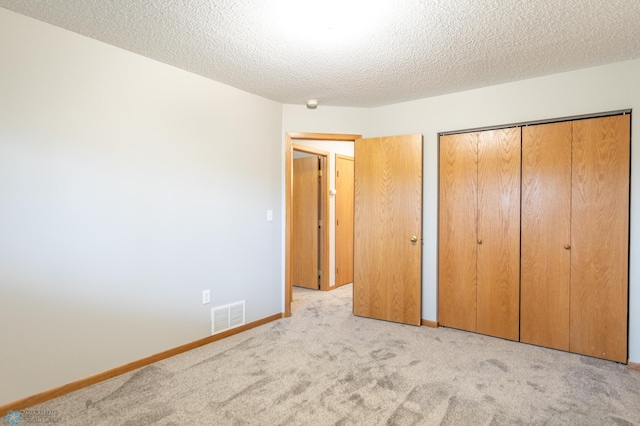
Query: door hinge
pixel 319 273
pixel 336 271
pixel 319 172
pixel 338 173
pixel 337 222
pixel 320 223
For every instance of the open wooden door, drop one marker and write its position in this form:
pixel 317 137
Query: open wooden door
pixel 388 229
pixel 344 220
pixel 304 245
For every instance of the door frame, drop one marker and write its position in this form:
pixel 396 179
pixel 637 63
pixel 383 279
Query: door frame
pixel 290 140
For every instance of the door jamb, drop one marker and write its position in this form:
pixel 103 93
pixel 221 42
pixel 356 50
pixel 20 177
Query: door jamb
pixel 290 138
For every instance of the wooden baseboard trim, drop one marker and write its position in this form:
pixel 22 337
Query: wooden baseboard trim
pixel 630 365
pixel 105 375
pixel 427 323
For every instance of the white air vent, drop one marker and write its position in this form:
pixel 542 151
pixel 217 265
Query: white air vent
pixel 227 317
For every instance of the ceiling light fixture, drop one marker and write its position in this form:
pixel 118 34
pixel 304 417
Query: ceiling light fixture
pixel 328 22
pixel 312 103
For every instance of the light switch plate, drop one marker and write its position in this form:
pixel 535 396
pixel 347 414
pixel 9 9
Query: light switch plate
pixel 206 297
pixel 269 215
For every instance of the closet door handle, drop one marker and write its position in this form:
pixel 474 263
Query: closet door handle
pixel 567 246
pixel 479 241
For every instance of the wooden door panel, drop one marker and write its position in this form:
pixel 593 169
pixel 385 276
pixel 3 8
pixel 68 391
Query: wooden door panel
pixel 546 235
pixel 600 237
pixel 344 220
pixel 388 212
pixel 457 257
pixel 498 272
pixel 304 244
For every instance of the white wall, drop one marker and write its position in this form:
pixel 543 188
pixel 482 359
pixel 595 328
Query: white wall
pixel 605 88
pixel 333 148
pixel 126 188
pixel 326 119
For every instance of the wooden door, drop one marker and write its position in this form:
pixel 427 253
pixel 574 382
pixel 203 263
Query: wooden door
pixel 304 244
pixel 388 216
pixel 546 235
pixel 344 220
pixel 498 271
pixel 600 237
pixel 457 236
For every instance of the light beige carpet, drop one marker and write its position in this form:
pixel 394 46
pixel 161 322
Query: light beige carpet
pixel 323 366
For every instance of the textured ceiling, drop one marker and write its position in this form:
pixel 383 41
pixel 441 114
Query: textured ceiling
pixel 357 52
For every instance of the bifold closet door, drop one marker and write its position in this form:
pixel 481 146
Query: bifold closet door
pixel 457 231
pixel 479 232
pixel 498 233
pixel 600 237
pixel 546 235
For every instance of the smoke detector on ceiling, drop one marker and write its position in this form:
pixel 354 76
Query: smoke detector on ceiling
pixel 312 103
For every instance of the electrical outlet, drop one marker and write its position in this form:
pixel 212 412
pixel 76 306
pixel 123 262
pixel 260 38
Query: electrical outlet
pixel 269 215
pixel 206 297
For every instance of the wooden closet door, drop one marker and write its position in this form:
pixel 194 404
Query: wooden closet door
pixel 600 237
pixel 457 231
pixel 498 271
pixel 546 235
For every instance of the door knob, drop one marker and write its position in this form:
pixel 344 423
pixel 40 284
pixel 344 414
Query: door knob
pixel 479 241
pixel 414 239
pixel 567 246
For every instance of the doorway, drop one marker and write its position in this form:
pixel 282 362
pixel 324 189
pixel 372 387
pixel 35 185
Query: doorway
pixel 387 225
pixel 294 141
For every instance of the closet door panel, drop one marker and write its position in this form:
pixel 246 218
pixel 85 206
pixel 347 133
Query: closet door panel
pixel 457 231
pixel 600 237
pixel 498 270
pixel 546 235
